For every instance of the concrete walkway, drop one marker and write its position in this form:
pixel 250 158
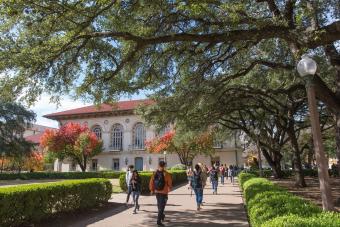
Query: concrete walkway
pixel 224 209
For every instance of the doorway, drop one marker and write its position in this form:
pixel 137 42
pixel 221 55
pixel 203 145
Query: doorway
pixel 139 164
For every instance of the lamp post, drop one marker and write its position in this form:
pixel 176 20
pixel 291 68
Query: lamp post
pixel 259 156
pixel 307 69
pixel 2 160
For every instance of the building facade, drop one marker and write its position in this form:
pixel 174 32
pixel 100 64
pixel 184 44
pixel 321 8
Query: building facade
pixel 123 133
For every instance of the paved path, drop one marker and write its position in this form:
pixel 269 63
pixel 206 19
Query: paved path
pixel 224 209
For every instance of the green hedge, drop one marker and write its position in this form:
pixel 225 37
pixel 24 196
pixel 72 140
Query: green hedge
pixel 178 176
pixel 270 205
pixel 31 203
pixel 287 173
pixel 325 219
pixel 59 175
pixel 243 177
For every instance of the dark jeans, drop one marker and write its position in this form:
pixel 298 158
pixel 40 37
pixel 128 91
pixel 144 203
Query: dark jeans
pixel 135 196
pixel 161 202
pixel 199 195
pixel 214 185
pixel 129 190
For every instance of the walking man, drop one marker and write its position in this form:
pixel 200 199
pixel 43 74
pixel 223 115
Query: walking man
pixel 214 179
pixel 161 184
pixel 128 177
pixel 197 185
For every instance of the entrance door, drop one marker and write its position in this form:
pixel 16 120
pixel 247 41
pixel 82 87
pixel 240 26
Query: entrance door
pixel 139 163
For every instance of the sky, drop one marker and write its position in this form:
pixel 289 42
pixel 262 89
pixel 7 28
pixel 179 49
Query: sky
pixel 43 106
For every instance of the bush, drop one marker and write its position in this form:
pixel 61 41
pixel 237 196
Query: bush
pixel 178 176
pixel 30 203
pixel 271 204
pixel 267 201
pixel 59 175
pixel 243 177
pixel 258 185
pixel 325 219
pixel 179 167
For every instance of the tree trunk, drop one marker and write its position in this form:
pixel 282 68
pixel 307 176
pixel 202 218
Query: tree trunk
pixel 299 177
pixel 334 59
pixel 275 162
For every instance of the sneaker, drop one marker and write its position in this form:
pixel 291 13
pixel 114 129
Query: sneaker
pixel 134 212
pixel 160 224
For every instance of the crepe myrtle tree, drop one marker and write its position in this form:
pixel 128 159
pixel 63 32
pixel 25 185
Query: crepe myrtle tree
pixel 187 145
pixel 73 141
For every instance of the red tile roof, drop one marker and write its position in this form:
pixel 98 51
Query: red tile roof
pixel 103 108
pixel 34 138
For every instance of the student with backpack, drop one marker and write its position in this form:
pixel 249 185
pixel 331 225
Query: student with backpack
pixel 161 184
pixel 197 185
pixel 214 179
pixel 128 177
pixel 136 186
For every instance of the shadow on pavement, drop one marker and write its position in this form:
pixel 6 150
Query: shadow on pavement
pixel 204 218
pixel 83 218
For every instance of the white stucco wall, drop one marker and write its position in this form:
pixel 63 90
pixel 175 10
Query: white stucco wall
pixel 150 161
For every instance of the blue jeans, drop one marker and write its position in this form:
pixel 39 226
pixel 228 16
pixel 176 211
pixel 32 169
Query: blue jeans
pixel 129 190
pixel 135 196
pixel 222 179
pixel 199 195
pixel 214 185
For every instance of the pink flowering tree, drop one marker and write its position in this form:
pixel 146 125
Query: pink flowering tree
pixel 73 141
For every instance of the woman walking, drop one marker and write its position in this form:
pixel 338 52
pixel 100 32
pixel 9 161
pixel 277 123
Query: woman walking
pixel 197 185
pixel 214 179
pixel 231 173
pixel 136 189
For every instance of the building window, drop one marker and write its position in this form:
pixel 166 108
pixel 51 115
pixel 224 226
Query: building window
pixel 163 131
pixel 94 165
pixel 117 137
pixel 98 131
pixel 139 136
pixel 115 164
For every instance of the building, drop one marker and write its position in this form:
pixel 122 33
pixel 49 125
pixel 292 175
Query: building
pixel 123 133
pixel 33 133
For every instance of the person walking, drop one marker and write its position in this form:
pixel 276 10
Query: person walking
pixel 231 174
pixel 128 177
pixel 161 184
pixel 197 185
pixel 214 179
pixel 204 174
pixel 136 186
pixel 222 172
pixel 226 171
pixel 190 174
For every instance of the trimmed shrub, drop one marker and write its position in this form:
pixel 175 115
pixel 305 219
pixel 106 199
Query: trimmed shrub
pixel 179 167
pixel 30 203
pixel 271 204
pixel 178 176
pixel 254 186
pixel 325 219
pixel 243 177
pixel 60 175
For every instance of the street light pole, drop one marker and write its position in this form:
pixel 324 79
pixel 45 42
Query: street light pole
pixel 307 68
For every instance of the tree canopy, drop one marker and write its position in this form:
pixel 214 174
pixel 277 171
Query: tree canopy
pixel 103 49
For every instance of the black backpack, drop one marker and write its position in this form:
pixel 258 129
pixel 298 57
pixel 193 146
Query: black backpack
pixel 197 182
pixel 159 180
pixel 213 175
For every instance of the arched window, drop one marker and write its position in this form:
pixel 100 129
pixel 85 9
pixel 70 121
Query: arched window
pixel 97 130
pixel 117 137
pixel 138 136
